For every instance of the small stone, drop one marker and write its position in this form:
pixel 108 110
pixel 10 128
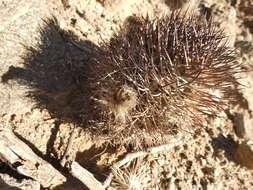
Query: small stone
pixel 243 124
pixel 244 155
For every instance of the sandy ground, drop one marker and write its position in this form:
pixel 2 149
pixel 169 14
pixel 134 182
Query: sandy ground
pixel 44 46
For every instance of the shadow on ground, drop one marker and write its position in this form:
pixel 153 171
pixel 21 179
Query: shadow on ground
pixel 56 72
pixel 227 144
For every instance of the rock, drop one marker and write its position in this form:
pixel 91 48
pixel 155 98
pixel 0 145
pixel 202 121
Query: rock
pixel 243 125
pixel 244 154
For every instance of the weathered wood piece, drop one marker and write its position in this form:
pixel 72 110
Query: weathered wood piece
pixel 20 157
pixel 9 183
pixel 85 177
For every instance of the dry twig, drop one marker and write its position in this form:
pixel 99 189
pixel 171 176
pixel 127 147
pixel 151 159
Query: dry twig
pixel 131 156
pixel 85 177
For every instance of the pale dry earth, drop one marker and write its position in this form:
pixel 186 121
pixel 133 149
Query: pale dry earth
pixel 67 32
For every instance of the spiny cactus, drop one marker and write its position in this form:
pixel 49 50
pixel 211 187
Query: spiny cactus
pixel 162 72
